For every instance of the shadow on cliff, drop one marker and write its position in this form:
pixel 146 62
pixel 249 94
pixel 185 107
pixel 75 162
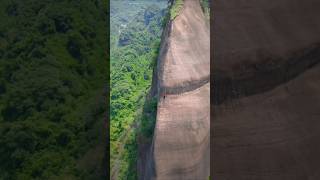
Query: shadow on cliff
pixel 265 75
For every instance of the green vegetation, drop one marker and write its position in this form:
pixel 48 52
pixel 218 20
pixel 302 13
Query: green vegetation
pixel 148 118
pixel 206 8
pixel 135 39
pixel 53 78
pixel 176 8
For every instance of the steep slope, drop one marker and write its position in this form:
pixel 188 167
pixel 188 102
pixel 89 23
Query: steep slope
pixel 181 141
pixel 273 135
pixel 261 44
pixel 266 91
pixel 134 49
pixel 186 60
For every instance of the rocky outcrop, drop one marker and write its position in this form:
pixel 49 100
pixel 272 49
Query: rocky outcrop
pixel 266 74
pixel 180 146
pixel 266 90
pixel 270 135
pixel 260 44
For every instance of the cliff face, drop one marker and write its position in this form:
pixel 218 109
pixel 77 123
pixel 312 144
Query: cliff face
pixel 261 44
pixel 180 147
pixel 266 90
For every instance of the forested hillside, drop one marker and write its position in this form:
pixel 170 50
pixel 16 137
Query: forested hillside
pixel 53 81
pixel 136 27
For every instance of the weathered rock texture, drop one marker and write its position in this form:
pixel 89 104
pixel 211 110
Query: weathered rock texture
pixel 180 148
pixel 265 121
pixel 261 44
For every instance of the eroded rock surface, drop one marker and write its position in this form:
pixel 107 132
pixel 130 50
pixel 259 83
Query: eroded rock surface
pixel 180 148
pixel 266 72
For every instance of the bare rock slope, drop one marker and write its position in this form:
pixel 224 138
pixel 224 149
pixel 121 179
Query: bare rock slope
pixel 180 148
pixel 266 72
pixel 259 45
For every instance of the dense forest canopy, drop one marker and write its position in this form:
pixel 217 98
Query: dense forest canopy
pixel 53 81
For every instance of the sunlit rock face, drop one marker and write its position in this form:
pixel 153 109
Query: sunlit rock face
pixel 180 147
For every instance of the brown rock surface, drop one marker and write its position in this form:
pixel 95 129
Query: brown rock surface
pixel 186 58
pixel 181 140
pixel 259 44
pixel 180 148
pixel 265 122
pixel 272 135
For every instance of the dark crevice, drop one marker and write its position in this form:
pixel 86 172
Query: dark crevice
pixel 262 80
